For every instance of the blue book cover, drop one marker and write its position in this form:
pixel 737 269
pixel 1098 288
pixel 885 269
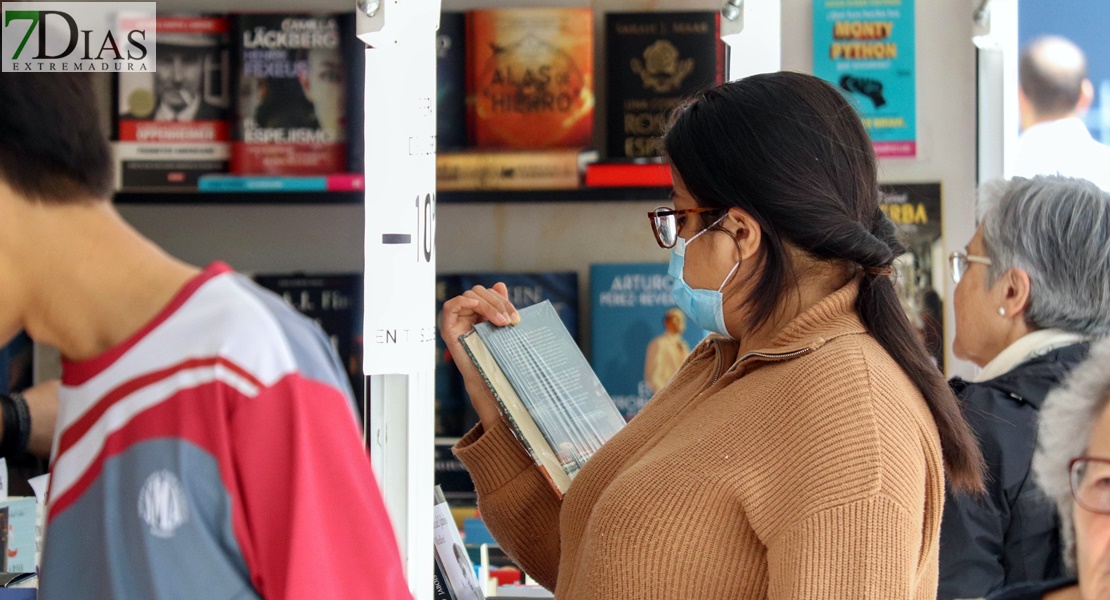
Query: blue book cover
pixel 638 338
pixel 454 415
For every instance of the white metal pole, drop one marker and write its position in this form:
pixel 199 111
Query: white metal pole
pixel 753 31
pixel 399 330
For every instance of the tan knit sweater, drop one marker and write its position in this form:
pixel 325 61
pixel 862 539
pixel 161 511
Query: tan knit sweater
pixel 810 470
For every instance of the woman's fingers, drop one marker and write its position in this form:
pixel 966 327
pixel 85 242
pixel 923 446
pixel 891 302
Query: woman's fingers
pixel 495 305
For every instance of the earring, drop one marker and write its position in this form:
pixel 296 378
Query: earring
pixel 1001 311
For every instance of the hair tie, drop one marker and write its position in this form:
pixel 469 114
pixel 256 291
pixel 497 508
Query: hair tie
pixel 884 271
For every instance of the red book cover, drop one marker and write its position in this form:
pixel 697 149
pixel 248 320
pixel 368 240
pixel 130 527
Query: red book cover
pixel 628 175
pixel 530 77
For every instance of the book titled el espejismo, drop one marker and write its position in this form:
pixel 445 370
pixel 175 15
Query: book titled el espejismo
pixel 556 405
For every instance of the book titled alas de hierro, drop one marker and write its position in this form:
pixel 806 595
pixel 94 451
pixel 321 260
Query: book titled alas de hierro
pixel 530 80
pixel 171 125
pixel 291 102
pixel 554 402
pixel 654 60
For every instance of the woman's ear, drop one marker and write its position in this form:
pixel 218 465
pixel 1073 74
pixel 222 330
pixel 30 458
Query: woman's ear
pixel 746 231
pixel 1015 291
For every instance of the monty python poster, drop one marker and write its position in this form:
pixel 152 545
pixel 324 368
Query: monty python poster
pixel 866 48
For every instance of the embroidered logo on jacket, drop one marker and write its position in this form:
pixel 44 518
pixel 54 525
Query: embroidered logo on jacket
pixel 162 504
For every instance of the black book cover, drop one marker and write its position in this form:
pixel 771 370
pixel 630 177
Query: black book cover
pixel 451 82
pixel 334 302
pixel 655 59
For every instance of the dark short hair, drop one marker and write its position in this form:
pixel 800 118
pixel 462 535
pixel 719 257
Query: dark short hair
pixel 1051 72
pixel 52 148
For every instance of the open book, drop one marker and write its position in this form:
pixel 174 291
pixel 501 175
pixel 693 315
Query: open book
pixel 555 403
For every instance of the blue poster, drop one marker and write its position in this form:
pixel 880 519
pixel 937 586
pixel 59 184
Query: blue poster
pixel 866 48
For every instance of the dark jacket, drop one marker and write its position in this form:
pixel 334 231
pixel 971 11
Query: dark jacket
pixel 1032 590
pixel 1010 535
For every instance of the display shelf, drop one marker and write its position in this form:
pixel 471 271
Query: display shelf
pixel 203 198
pixel 599 194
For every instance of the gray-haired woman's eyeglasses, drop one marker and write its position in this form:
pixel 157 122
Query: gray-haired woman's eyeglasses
pixel 958 262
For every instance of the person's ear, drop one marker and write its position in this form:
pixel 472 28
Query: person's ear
pixel 1086 96
pixel 746 230
pixel 1015 292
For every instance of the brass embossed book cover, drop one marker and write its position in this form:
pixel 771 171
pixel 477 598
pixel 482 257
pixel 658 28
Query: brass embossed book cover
pixel 654 60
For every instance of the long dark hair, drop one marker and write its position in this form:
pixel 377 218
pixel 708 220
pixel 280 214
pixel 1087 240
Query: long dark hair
pixel 789 150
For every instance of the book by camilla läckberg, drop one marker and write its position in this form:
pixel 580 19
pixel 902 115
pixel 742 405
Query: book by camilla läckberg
pixel 557 407
pixel 291 98
pixel 530 80
pixel 653 61
pixel 171 125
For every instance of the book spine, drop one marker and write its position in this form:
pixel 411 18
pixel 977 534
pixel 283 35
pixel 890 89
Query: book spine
pixel 535 453
pixel 507 170
pixel 217 183
pixel 630 175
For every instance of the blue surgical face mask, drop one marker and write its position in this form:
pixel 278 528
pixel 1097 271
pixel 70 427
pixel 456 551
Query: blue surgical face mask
pixel 704 307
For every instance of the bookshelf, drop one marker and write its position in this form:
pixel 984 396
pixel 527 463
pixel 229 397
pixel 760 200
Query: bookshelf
pixel 605 194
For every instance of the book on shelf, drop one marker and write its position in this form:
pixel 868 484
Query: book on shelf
pixel 452 476
pixel 337 182
pixel 553 400
pixel 628 174
pixel 512 169
pixel 292 87
pixel 439 585
pixel 638 338
pixel 916 209
pixel 653 61
pixel 20 548
pixel 334 302
pixel 171 125
pixel 451 81
pixel 454 414
pixel 450 554
pixel 530 81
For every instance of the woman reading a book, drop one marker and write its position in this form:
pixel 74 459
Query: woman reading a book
pixel 802 450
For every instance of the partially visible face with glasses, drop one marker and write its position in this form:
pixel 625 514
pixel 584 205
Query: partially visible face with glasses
pixel 980 333
pixel 1090 484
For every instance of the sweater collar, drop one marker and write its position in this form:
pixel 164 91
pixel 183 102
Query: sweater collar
pixel 831 317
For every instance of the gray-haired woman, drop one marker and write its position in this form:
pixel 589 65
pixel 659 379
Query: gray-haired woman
pixel 1033 287
pixel 1072 466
